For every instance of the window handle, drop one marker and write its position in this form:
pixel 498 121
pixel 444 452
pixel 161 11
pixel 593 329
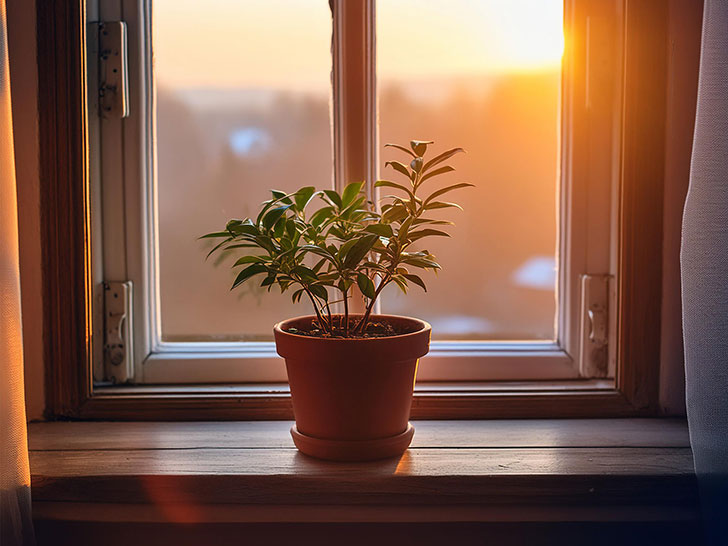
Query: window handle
pixel 598 326
pixel 594 344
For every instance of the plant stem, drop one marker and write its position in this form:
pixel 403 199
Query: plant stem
pixel 315 308
pixel 331 320
pixel 346 313
pixel 361 327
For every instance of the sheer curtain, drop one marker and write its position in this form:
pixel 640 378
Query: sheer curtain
pixel 704 265
pixel 16 526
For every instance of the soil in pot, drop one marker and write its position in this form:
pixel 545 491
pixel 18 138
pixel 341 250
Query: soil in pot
pixel 379 328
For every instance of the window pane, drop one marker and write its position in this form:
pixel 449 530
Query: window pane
pixel 483 75
pixel 243 93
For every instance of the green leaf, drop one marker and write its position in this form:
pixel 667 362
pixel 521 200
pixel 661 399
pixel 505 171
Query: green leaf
pixel 376 266
pixel 321 215
pixel 248 272
pixel 444 156
pixel 249 260
pixel 344 284
pixel 280 227
pixel 334 197
pixel 442 191
pixel 350 192
pixel 303 196
pixel 415 279
pixel 242 229
pixel 272 216
pixel 290 228
pixel 441 205
pixel 320 251
pixel 336 232
pixel 352 210
pixel 328 278
pixel 415 235
pixel 388 184
pixel 296 296
pixel 244 245
pixel 383 230
pixel 404 228
pixel 266 206
pixel 401 282
pixel 395 214
pixel 400 148
pixel 399 167
pixel 359 250
pixel 436 172
pixel 432 222
pixel 215 234
pixel 346 247
pixel 281 196
pixel 420 146
pixel 365 285
pixel 421 262
pixel 319 291
pixel 265 242
pixel 268 281
pixel 287 248
pixel 305 273
pixel 316 268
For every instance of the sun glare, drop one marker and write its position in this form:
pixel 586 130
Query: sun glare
pixel 531 35
pixel 468 37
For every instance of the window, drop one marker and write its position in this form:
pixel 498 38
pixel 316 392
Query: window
pixel 232 100
pixel 613 114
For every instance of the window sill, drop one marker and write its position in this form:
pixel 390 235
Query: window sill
pixel 477 471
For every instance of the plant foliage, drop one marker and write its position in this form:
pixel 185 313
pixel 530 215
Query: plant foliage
pixel 352 242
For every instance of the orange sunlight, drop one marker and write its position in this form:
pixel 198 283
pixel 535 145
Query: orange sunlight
pixel 239 44
pixel 468 37
pixel 535 40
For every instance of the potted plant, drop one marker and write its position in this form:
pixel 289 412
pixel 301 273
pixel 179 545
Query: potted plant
pixel 351 375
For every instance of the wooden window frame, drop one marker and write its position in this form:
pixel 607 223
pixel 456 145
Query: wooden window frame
pixel 67 255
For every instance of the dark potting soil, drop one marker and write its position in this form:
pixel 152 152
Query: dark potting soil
pixel 374 329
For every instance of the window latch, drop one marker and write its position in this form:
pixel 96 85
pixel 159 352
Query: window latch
pixel 118 348
pixel 113 74
pixel 594 346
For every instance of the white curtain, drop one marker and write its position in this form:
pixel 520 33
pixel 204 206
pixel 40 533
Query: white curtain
pixel 704 269
pixel 16 526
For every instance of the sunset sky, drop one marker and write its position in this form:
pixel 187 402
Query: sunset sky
pixel 286 43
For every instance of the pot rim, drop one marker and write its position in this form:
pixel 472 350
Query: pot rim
pixel 425 328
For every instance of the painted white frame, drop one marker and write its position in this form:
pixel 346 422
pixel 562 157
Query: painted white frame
pixel 127 157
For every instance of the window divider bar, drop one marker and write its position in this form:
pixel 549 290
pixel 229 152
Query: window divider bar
pixel 354 94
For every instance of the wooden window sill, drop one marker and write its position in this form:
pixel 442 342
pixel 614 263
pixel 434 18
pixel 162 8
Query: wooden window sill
pixel 464 471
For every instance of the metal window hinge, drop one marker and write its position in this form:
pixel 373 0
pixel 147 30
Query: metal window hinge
pixel 594 346
pixel 118 340
pixel 113 77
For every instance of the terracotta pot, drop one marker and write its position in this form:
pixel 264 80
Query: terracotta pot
pixel 352 397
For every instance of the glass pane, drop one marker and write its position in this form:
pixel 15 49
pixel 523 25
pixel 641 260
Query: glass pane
pixel 243 91
pixel 483 75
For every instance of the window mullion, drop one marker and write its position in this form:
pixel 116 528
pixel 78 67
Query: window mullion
pixel 354 88
pixel 354 91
